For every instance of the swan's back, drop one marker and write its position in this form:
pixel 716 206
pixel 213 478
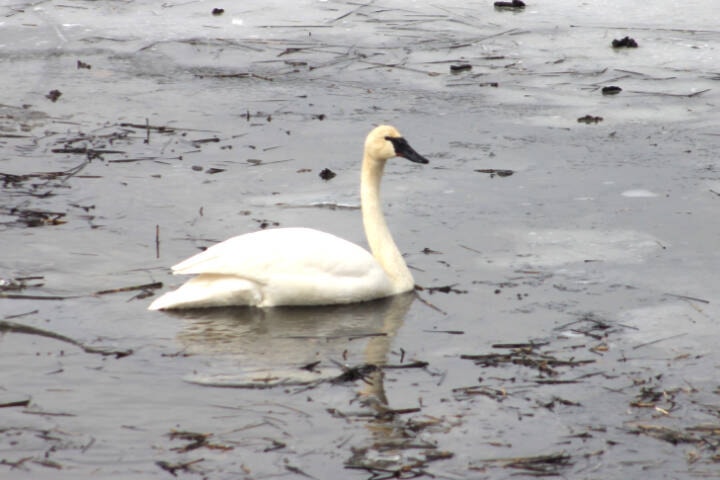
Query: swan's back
pixel 283 266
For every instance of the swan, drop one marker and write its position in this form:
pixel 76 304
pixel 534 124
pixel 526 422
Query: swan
pixel 302 266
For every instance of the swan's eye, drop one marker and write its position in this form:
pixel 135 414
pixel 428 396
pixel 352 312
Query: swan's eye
pixel 399 144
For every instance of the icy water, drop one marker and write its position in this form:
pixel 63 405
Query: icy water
pixel 564 241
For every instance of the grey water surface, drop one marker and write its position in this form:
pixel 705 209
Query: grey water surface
pixel 575 335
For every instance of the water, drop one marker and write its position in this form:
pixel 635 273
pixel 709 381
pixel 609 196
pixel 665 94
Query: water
pixel 601 243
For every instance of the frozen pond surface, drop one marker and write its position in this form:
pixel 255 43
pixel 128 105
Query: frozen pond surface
pixel 575 335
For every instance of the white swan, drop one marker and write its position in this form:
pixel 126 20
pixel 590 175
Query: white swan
pixel 301 266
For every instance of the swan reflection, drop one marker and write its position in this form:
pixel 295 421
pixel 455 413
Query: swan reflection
pixel 254 347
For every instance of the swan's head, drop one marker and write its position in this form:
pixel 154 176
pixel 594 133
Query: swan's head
pixel 385 142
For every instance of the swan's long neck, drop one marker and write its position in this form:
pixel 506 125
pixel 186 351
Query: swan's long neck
pixel 378 235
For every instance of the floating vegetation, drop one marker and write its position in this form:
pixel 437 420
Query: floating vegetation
pixel 496 171
pixel 124 117
pixel 399 449
pixel 20 283
pixel 511 5
pixel 553 464
pixel 625 42
pixel 590 119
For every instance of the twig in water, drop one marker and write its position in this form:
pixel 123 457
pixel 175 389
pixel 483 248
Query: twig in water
pixel 150 286
pixel 443 289
pixel 16 403
pixel 666 94
pixel 659 340
pixel 530 345
pixel 354 10
pixel 685 297
pixel 157 241
pixel 449 332
pixel 174 467
pixel 142 159
pixel 539 464
pixel 147 126
pixel 18 296
pixel 12 327
pixel 351 374
pixel 427 303
pixel 296 470
pixel 415 364
pixel 18 315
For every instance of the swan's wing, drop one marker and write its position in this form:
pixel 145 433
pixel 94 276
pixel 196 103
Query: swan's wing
pixel 267 254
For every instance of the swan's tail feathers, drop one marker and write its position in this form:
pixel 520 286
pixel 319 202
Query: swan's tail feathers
pixel 210 290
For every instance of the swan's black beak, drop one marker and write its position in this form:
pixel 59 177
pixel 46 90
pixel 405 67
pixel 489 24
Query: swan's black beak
pixel 404 150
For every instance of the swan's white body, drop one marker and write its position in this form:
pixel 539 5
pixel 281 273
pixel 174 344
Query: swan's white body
pixel 284 266
pixel 301 266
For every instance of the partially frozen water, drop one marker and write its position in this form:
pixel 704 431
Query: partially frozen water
pixel 188 128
